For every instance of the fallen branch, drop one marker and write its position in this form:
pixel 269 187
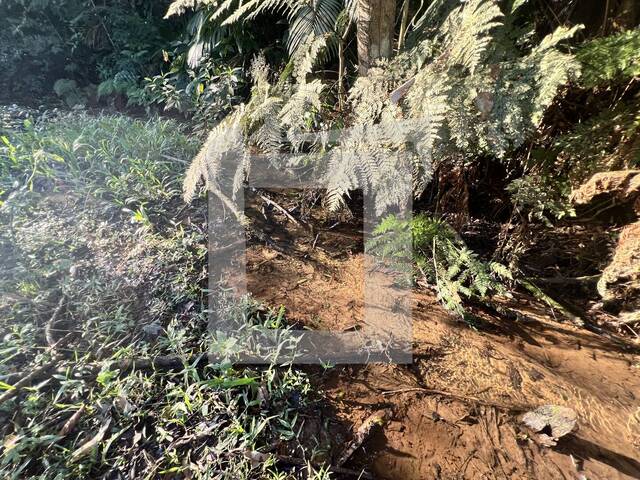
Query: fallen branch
pixel 462 398
pixel 26 381
pixel 34 374
pixel 268 201
pixel 363 433
pixel 49 326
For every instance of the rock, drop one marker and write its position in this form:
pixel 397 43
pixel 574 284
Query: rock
pixel 618 194
pixel 551 422
pixel 619 285
pixel 605 190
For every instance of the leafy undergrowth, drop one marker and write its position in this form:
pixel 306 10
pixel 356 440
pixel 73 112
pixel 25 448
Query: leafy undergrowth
pixel 104 369
pixel 442 258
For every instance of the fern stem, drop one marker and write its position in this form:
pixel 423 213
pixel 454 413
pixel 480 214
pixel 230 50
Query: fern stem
pixel 341 61
pixel 403 24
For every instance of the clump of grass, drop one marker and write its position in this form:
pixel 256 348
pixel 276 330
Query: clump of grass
pixel 123 160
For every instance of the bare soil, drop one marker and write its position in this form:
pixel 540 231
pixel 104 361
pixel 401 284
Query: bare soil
pixel 456 409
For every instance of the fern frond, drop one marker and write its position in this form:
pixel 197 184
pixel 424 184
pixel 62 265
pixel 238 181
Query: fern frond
pixel 269 135
pixel 222 9
pixel 439 255
pixel 613 58
pixel 306 56
pixel 375 159
pixel 551 68
pixel 224 140
pixel 294 114
pixel 370 95
pixel 197 171
pixel 555 69
pixel 467 31
pixel 205 34
pixel 178 7
pixel 253 8
pixel 558 35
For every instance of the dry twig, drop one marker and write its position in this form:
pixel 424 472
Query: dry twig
pixel 36 373
pixel 26 381
pixel 363 433
pixel 70 424
pixel 49 326
pixel 280 208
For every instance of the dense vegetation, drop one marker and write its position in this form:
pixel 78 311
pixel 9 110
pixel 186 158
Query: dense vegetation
pixel 95 232
pixel 498 108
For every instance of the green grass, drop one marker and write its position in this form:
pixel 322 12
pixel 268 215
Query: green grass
pixel 126 161
pixel 81 203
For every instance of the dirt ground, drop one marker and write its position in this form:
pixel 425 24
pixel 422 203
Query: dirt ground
pixel 456 409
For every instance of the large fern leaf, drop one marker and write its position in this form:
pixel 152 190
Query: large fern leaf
pixel 467 32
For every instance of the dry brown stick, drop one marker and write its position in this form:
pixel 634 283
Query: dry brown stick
pixel 26 381
pixel 363 433
pixel 48 327
pixel 70 424
pixel 462 398
pixel 34 374
pixel 226 248
pixel 315 240
pixel 279 208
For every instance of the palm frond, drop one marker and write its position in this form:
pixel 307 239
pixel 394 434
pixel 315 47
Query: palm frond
pixel 312 17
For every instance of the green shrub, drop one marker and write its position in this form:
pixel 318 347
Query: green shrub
pixel 440 256
pixel 610 59
pixel 541 196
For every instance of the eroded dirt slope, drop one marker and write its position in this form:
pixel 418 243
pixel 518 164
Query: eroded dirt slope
pixel 456 408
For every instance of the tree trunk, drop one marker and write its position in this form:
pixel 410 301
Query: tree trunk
pixel 376 19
